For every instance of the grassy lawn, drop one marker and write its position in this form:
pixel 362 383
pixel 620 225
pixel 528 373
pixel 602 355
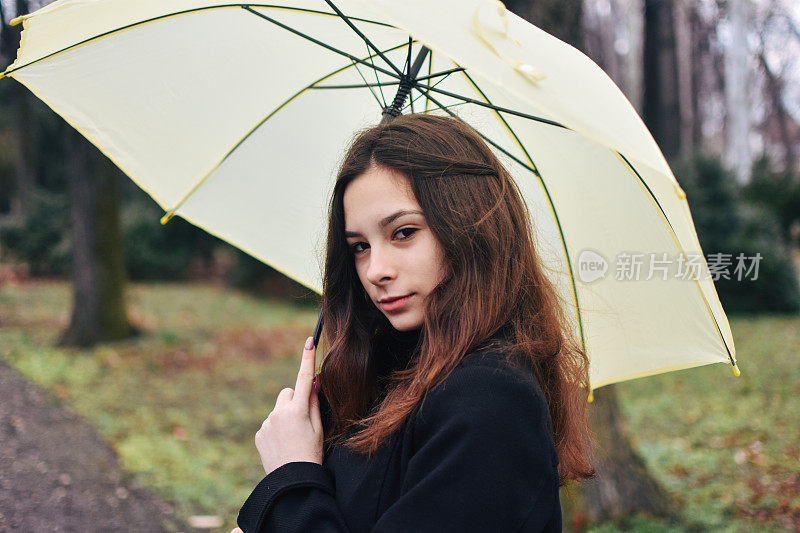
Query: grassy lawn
pixel 727 447
pixel 181 402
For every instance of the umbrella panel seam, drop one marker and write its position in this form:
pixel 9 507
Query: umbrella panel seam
pixel 13 69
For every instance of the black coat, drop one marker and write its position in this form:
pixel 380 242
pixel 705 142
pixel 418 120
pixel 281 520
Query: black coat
pixel 477 454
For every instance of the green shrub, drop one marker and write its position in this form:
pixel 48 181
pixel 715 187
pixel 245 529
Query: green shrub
pixel 779 192
pixel 159 252
pixel 42 241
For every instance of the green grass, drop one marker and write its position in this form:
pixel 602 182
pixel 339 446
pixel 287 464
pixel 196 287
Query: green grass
pixel 727 447
pixel 182 402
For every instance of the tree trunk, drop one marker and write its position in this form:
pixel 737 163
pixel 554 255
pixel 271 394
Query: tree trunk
pixel 632 12
pixel 559 18
pixel 683 63
pixel 23 160
pixel 661 110
pixel 737 110
pixel 775 92
pixel 98 270
pixel 613 39
pixel 702 79
pixel 599 37
pixel 623 485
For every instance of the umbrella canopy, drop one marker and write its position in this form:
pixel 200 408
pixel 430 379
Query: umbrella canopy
pixel 236 116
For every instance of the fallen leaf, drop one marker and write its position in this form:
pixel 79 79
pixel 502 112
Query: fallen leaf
pixel 205 521
pixel 180 433
pixel 740 457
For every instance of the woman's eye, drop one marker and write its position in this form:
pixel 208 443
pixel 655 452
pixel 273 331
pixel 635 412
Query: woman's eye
pixel 358 247
pixel 412 230
pixel 355 247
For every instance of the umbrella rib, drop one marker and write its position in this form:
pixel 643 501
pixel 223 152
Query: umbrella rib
pixel 357 85
pixel 353 27
pixel 484 137
pixel 421 94
pixel 371 90
pixel 503 120
pixel 442 73
pixel 552 207
pixel 430 70
pixel 407 65
pixel 680 248
pixel 451 106
pixel 491 106
pixel 184 12
pixel 407 70
pixel 169 214
pixel 320 43
pixel 374 71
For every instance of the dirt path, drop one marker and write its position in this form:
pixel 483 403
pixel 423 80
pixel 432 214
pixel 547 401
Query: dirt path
pixel 58 474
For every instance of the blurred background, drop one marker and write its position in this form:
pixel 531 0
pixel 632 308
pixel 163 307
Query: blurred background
pixel 138 360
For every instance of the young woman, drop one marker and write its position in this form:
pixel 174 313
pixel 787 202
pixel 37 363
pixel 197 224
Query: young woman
pixel 452 396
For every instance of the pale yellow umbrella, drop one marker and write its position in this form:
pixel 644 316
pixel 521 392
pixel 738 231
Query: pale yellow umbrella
pixel 235 117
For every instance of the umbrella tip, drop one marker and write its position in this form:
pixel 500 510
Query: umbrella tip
pixel 590 398
pixel 166 218
pixel 17 20
pixel 736 371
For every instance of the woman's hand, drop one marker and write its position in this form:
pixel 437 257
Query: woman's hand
pixel 293 431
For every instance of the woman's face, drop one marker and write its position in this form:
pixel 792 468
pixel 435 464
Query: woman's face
pixel 395 252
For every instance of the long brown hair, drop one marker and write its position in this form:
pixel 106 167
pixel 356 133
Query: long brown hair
pixel 494 280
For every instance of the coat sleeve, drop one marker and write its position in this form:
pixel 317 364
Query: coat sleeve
pixel 295 497
pixel 306 502
pixel 484 458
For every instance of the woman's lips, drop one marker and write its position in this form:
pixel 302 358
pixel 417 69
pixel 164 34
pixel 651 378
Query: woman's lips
pixel 394 305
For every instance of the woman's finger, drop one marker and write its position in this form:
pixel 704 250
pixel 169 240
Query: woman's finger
pixel 313 411
pixel 306 374
pixel 284 396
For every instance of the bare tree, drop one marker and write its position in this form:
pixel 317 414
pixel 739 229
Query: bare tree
pixel 21 119
pixel 788 135
pixel 738 154
pixel 98 269
pixel 661 91
pixel 682 17
pixel 613 35
pixel 777 51
pixel 562 19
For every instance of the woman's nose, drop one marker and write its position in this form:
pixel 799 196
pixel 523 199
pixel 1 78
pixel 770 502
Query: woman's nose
pixel 381 267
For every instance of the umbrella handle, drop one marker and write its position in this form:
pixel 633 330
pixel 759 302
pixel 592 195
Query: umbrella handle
pixel 318 329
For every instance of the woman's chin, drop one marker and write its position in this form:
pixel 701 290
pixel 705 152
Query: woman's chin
pixel 405 323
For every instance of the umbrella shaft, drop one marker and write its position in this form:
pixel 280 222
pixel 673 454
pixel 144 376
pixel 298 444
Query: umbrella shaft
pixel 404 89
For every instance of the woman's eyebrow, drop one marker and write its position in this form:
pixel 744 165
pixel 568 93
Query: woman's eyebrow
pixel 388 220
